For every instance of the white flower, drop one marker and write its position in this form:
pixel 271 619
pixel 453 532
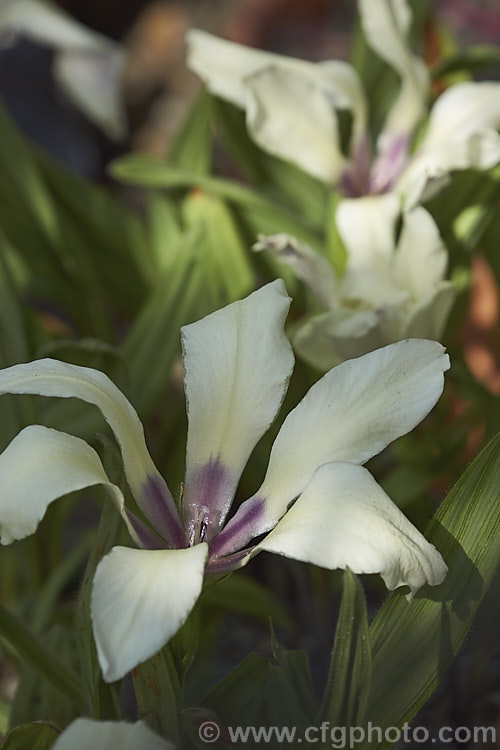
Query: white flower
pixel 292 108
pixel 83 734
pixel 237 363
pixel 89 67
pixel 393 292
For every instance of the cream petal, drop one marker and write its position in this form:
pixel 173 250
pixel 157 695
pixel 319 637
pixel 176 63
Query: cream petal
pixel 140 598
pixel 421 258
pixel 278 93
pixel 223 65
pixel 292 115
pixel 386 24
pixel 351 414
pixel 39 466
pixel 367 227
pixel 344 519
pixel 237 363
pixel 50 377
pixel 462 134
pixel 83 734
pixel 88 66
pixel 309 266
pixel 93 80
pixel 428 317
pixel 326 340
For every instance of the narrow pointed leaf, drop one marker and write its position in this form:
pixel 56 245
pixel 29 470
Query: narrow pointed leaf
pixel 34 736
pixel 421 638
pixel 348 684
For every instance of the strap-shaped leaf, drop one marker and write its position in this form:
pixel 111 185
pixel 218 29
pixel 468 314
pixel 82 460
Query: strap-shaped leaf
pixel 35 736
pixel 348 684
pixel 413 644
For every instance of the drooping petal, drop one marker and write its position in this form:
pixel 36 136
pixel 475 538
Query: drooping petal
pixel 88 66
pixel 93 80
pixel 83 734
pixel 140 598
pixel 367 227
pixel 290 104
pixel 50 377
pixel 326 340
pixel 421 258
pixel 462 134
pixel 386 25
pixel 293 116
pixel 39 466
pixel 237 362
pixel 428 317
pixel 223 65
pixel 344 519
pixel 311 267
pixel 351 414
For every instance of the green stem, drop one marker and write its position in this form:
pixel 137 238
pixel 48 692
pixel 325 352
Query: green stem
pixel 34 653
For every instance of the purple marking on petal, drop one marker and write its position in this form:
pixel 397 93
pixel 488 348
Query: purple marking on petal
pixel 242 527
pixel 389 164
pixel 159 508
pixel 354 181
pixel 208 494
pixel 147 538
pixel 229 563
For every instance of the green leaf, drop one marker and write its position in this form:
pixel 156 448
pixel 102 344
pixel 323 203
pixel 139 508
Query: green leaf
pixel 289 691
pixel 239 698
pixel 101 699
pixel 192 146
pixel 348 684
pixel 470 60
pixel 271 215
pixel 334 247
pixel 220 247
pixel 414 643
pixel 34 736
pixel 34 653
pixel 159 695
pixel 242 594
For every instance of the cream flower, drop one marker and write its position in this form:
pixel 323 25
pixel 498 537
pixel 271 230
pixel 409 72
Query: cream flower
pixel 389 293
pixel 292 111
pixel 88 66
pixel 316 500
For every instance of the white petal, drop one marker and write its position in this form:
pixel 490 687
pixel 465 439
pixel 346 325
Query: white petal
pixel 223 65
pixel 50 377
pixel 344 519
pixel 326 340
pixel 351 414
pixel 47 24
pixel 386 24
pixel 311 267
pixel 367 227
pixel 140 598
pixel 421 258
pixel 428 317
pixel 292 115
pixel 462 134
pixel 39 466
pixel 237 363
pixel 290 103
pixel 88 66
pixel 93 80
pixel 83 734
